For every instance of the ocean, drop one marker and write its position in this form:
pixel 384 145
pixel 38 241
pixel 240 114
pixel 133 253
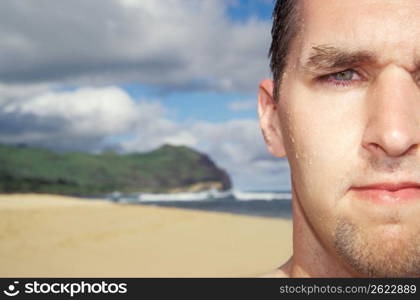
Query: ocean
pixel 273 204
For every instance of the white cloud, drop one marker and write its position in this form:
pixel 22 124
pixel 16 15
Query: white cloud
pixel 16 92
pixel 152 133
pixel 82 119
pixel 241 105
pixel 99 111
pixel 172 44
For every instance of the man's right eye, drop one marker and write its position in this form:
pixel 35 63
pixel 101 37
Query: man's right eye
pixel 344 75
pixel 341 79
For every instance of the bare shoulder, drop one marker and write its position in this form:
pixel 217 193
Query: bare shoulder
pixel 277 273
pixel 281 272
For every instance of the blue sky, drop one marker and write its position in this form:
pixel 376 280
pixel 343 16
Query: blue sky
pixel 211 106
pixel 132 75
pixel 242 10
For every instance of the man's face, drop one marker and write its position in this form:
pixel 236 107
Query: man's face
pixel 349 115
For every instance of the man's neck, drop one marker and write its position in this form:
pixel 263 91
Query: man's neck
pixel 310 257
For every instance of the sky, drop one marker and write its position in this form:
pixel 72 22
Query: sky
pixel 132 75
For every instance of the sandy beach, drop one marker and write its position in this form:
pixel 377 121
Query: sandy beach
pixel 56 236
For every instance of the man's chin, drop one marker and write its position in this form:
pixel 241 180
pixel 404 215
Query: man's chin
pixel 382 251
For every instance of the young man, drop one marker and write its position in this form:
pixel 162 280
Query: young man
pixel 344 107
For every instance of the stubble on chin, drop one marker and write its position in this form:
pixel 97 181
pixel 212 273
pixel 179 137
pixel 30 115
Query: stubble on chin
pixel 385 252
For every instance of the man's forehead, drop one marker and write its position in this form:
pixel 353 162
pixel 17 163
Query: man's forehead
pixel 357 8
pixel 383 31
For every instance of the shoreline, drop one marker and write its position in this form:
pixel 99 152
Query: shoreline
pixel 60 236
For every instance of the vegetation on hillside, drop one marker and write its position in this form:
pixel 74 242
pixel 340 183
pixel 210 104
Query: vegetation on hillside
pixel 27 169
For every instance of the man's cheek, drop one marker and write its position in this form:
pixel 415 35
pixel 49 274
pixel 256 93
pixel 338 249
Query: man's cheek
pixel 323 169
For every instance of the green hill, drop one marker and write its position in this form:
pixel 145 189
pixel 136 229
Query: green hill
pixel 169 168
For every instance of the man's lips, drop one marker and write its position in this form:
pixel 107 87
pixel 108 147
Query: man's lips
pixel 389 192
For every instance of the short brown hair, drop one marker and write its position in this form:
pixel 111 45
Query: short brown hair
pixel 283 31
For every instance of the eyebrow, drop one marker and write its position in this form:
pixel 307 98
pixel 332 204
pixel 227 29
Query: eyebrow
pixel 329 58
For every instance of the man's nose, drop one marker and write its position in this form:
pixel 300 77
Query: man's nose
pixel 393 124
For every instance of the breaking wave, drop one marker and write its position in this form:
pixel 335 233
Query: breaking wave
pixel 210 195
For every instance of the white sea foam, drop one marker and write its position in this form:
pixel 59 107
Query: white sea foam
pixel 215 195
pixel 173 197
pixel 247 196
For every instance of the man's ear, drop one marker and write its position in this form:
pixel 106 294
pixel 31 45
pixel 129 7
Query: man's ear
pixel 269 119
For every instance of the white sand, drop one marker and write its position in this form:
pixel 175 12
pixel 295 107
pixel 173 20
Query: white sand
pixel 55 236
